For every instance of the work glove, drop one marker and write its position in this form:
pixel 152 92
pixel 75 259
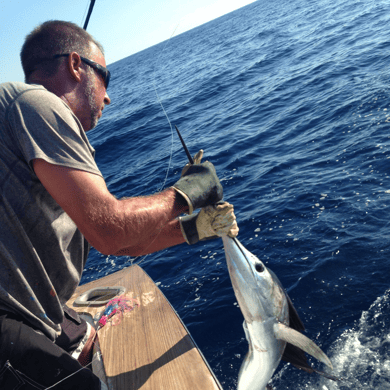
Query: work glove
pixel 211 222
pixel 199 184
pixel 197 160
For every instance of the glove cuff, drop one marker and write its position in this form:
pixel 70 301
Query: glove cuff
pixel 188 228
pixel 187 199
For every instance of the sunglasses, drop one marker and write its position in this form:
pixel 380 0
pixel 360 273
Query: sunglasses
pixel 104 72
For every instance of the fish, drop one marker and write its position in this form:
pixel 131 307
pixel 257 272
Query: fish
pixel 271 324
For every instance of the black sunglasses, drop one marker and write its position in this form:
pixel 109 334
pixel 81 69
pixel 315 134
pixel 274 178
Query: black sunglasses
pixel 104 72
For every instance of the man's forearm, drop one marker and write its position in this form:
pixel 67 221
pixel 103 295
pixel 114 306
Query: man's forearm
pixel 169 235
pixel 109 224
pixel 148 224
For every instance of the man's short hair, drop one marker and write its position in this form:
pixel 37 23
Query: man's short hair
pixel 51 38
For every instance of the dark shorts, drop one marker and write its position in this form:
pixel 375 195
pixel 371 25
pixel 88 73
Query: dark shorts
pixel 29 360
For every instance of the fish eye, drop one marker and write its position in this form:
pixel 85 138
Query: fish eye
pixel 259 267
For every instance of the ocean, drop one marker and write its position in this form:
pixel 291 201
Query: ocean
pixel 290 101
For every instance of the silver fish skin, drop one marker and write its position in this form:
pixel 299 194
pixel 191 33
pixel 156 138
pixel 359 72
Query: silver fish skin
pixel 264 305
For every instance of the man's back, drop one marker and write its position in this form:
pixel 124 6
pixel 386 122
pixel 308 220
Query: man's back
pixel 42 253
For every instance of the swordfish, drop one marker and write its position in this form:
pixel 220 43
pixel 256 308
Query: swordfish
pixel 271 324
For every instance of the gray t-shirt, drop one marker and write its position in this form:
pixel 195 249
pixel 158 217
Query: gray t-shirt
pixel 42 253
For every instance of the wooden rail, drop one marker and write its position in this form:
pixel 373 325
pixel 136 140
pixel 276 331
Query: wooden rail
pixel 150 348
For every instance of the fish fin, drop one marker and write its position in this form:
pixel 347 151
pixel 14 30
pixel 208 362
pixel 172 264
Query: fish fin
pixel 297 358
pixel 294 320
pixel 293 337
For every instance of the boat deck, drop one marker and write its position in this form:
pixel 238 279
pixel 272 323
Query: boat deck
pixel 149 348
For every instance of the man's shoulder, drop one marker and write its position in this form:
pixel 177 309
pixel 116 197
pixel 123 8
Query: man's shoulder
pixel 31 98
pixel 13 92
pixel 16 88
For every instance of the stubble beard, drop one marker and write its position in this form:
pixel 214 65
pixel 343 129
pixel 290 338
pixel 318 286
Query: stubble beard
pixel 90 93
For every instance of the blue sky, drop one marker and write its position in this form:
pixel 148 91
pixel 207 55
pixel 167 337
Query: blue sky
pixel 124 27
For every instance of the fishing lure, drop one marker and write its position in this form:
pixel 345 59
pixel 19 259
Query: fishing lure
pixel 118 305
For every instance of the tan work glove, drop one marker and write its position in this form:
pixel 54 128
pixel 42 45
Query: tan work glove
pixel 211 222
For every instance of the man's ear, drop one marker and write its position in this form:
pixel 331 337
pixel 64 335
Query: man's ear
pixel 74 66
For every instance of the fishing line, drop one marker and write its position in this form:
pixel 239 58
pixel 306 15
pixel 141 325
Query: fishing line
pixel 162 107
pixel 172 137
pixel 94 357
pixel 74 373
pixel 85 12
pixel 143 257
pixel 132 260
pixel 160 190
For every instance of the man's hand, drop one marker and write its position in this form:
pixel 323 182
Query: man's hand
pixel 199 184
pixel 212 221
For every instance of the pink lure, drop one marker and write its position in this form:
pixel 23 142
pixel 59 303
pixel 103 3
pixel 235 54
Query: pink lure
pixel 118 305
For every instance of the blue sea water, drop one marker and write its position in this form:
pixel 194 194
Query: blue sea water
pixel 290 101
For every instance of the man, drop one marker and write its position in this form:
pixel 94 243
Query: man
pixel 55 203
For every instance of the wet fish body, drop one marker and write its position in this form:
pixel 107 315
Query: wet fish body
pixel 271 324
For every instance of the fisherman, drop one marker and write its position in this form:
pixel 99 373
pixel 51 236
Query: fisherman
pixel 55 204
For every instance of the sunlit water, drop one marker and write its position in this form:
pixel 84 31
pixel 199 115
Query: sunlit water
pixel 291 102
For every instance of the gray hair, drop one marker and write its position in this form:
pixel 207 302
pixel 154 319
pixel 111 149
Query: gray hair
pixel 51 38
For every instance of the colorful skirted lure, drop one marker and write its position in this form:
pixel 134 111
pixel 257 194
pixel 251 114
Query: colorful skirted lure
pixel 117 306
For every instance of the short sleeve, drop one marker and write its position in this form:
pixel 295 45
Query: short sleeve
pixel 44 127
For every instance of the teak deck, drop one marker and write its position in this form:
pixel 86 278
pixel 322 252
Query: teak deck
pixel 150 349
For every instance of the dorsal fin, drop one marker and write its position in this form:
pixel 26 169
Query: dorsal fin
pixel 295 322
pixel 293 337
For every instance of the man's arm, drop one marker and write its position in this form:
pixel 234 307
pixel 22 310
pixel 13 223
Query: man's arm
pixel 131 226
pixel 170 235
